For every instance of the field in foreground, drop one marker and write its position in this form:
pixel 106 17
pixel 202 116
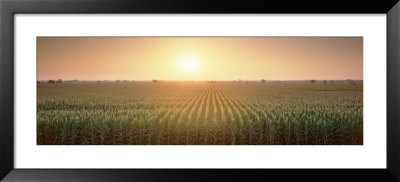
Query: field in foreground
pixel 199 114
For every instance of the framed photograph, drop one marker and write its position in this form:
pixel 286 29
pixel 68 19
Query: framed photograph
pixel 155 91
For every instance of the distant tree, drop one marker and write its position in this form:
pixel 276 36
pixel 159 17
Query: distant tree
pixel 125 81
pixel 324 81
pixel 263 81
pixel 59 81
pixel 312 81
pixel 155 81
pixel 331 81
pixel 118 80
pixel 98 81
pixel 51 81
pixel 38 82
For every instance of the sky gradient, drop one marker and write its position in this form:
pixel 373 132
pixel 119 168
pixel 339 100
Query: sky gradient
pixel 217 58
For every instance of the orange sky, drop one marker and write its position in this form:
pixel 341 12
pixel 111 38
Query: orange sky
pixel 218 58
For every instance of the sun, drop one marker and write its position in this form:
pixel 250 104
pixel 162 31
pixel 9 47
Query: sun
pixel 189 64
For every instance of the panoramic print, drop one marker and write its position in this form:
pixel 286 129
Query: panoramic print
pixel 199 91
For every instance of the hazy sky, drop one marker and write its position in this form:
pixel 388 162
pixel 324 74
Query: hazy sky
pixel 199 58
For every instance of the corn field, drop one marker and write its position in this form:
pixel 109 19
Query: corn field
pixel 194 113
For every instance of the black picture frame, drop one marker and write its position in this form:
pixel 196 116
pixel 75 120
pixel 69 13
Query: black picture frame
pixel 9 8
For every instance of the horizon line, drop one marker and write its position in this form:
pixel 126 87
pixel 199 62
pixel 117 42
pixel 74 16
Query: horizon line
pixel 203 80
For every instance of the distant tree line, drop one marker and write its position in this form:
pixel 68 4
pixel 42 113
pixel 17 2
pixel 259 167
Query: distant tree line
pixel 349 81
pixel 59 81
